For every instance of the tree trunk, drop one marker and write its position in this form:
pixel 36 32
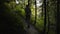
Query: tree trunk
pixel 58 18
pixel 48 24
pixel 48 17
pixel 44 30
pixel 35 12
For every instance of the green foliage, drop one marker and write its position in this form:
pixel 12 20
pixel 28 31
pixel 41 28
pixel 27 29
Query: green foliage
pixel 13 15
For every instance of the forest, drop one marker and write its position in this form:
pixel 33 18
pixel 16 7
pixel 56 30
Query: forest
pixel 29 17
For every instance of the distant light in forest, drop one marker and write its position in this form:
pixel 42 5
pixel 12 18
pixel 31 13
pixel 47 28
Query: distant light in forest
pixel 38 3
pixel 17 2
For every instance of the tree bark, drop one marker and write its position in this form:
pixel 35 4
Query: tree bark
pixel 35 12
pixel 58 18
pixel 44 30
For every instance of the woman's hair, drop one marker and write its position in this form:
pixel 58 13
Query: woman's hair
pixel 27 5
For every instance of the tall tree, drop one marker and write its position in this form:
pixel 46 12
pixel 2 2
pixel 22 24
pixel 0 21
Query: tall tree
pixel 44 6
pixel 58 18
pixel 35 12
pixel 48 17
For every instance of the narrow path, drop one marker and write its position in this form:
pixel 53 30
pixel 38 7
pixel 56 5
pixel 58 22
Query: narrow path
pixel 32 29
